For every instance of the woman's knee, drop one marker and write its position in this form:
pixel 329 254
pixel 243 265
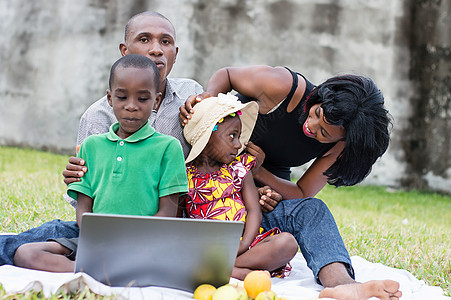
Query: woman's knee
pixel 312 208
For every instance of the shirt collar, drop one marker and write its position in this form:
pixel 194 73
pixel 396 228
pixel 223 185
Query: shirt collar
pixel 170 91
pixel 145 132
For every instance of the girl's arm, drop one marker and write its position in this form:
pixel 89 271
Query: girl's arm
pixel 311 182
pixel 254 214
pixel 84 204
pixel 170 206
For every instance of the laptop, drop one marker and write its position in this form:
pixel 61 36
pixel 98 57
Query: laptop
pixel 181 253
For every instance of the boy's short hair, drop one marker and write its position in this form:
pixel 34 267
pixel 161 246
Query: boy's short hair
pixel 137 61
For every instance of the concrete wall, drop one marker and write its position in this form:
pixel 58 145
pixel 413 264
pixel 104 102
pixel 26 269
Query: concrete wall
pixel 55 56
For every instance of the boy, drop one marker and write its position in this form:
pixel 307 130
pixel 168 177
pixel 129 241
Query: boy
pixel 133 169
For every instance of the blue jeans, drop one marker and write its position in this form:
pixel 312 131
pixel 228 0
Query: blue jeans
pixel 311 223
pixel 50 230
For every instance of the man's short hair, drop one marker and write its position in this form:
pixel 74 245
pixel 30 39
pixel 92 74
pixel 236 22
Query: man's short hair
pixel 136 61
pixel 145 13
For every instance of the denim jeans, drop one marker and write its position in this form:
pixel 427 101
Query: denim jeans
pixel 311 223
pixel 50 230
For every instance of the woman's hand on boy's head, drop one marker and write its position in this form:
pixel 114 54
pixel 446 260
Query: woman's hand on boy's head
pixel 186 110
pixel 269 198
pixel 75 169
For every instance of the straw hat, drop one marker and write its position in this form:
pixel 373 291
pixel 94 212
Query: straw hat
pixel 208 112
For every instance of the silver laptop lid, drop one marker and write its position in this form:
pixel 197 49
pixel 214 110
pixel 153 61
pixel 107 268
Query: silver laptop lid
pixel 121 250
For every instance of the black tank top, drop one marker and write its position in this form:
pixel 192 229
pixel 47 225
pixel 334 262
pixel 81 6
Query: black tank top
pixel 281 137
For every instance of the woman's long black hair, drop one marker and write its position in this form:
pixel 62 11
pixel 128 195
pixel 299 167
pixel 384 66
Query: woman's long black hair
pixel 357 104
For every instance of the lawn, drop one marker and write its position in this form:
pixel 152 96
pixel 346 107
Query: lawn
pixel 408 230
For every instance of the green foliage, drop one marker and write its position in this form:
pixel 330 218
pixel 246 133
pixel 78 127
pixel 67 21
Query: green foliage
pixel 407 230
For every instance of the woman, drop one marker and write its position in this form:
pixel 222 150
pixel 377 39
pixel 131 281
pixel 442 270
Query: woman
pixel 342 124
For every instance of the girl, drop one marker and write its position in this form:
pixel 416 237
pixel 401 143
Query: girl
pixel 221 185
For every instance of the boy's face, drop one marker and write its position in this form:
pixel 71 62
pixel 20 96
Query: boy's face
pixel 153 37
pixel 132 97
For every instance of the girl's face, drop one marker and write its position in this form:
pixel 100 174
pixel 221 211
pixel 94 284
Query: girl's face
pixel 317 128
pixel 224 142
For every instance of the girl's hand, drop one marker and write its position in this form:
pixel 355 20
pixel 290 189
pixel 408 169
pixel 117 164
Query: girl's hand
pixel 268 198
pixel 258 153
pixel 187 110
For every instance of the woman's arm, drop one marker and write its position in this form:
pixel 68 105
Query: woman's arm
pixel 84 204
pixel 311 182
pixel 254 215
pixel 268 85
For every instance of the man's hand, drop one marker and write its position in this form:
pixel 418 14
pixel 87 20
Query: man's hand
pixel 75 169
pixel 268 198
pixel 187 110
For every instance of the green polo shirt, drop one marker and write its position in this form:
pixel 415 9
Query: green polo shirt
pixel 129 176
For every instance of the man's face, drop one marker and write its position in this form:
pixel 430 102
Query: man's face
pixel 153 37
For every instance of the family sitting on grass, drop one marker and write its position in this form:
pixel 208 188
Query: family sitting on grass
pixel 341 124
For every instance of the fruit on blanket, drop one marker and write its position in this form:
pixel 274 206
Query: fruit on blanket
pixel 256 282
pixel 225 292
pixel 242 294
pixel 204 292
pixel 266 295
pixel 239 286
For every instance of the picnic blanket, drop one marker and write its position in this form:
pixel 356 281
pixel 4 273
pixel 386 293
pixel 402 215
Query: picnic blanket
pixel 299 285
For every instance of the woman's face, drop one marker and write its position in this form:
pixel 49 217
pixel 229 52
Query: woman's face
pixel 317 128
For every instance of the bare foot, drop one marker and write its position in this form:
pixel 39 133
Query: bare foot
pixel 382 289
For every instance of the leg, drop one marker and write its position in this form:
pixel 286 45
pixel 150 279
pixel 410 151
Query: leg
pixel 52 229
pixel 45 256
pixel 313 226
pixel 311 223
pixel 270 254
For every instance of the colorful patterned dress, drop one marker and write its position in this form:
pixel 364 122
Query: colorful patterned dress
pixel 217 195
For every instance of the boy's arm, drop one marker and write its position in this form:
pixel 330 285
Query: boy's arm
pixel 84 204
pixel 170 206
pixel 254 215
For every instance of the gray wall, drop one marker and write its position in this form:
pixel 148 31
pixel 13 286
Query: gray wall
pixel 55 56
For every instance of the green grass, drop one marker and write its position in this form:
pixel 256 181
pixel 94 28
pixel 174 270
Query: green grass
pixel 370 219
pixel 406 230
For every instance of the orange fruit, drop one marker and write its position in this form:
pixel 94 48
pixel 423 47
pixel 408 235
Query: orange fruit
pixel 256 282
